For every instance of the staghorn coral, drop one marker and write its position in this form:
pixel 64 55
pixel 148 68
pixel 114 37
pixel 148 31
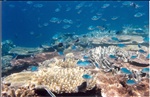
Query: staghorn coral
pixel 102 52
pixel 100 57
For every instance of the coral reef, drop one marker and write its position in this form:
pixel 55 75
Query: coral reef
pixel 19 79
pixel 59 77
pixel 67 63
pixel 115 86
pixel 8 91
pixel 6 46
pixel 63 76
pixel 20 64
pixel 128 40
pixel 106 56
pixel 6 61
pixel 118 61
pixel 17 85
pixel 34 60
pixel 86 62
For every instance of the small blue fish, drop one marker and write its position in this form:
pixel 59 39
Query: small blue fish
pixel 77 40
pixel 115 39
pixel 139 14
pixel 61 40
pixel 97 65
pixel 141 51
pixel 73 47
pixel 60 45
pixel 83 63
pixel 145 70
pixel 112 56
pixel 91 28
pixel 139 31
pixel 87 76
pixel 14 55
pixel 126 71
pixel 133 57
pixel 85 57
pixel 130 82
pixel 60 53
pixel 121 45
pixel 55 37
pixel 148 56
pixel 146 39
pixel 34 68
pixel 105 5
pixel 139 45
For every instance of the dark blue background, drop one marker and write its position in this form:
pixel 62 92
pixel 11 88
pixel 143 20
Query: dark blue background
pixel 20 18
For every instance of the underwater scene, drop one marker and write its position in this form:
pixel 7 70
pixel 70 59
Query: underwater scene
pixel 75 49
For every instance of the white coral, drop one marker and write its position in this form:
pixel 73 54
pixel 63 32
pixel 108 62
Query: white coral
pixel 61 80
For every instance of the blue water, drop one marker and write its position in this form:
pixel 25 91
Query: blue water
pixel 22 22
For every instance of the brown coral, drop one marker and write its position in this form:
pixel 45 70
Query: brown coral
pixel 115 86
pixel 9 91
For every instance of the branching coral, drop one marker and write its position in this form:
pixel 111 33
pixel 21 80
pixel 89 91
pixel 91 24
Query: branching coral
pixel 65 63
pixel 62 80
pixel 101 55
pixel 112 59
pixel 112 55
